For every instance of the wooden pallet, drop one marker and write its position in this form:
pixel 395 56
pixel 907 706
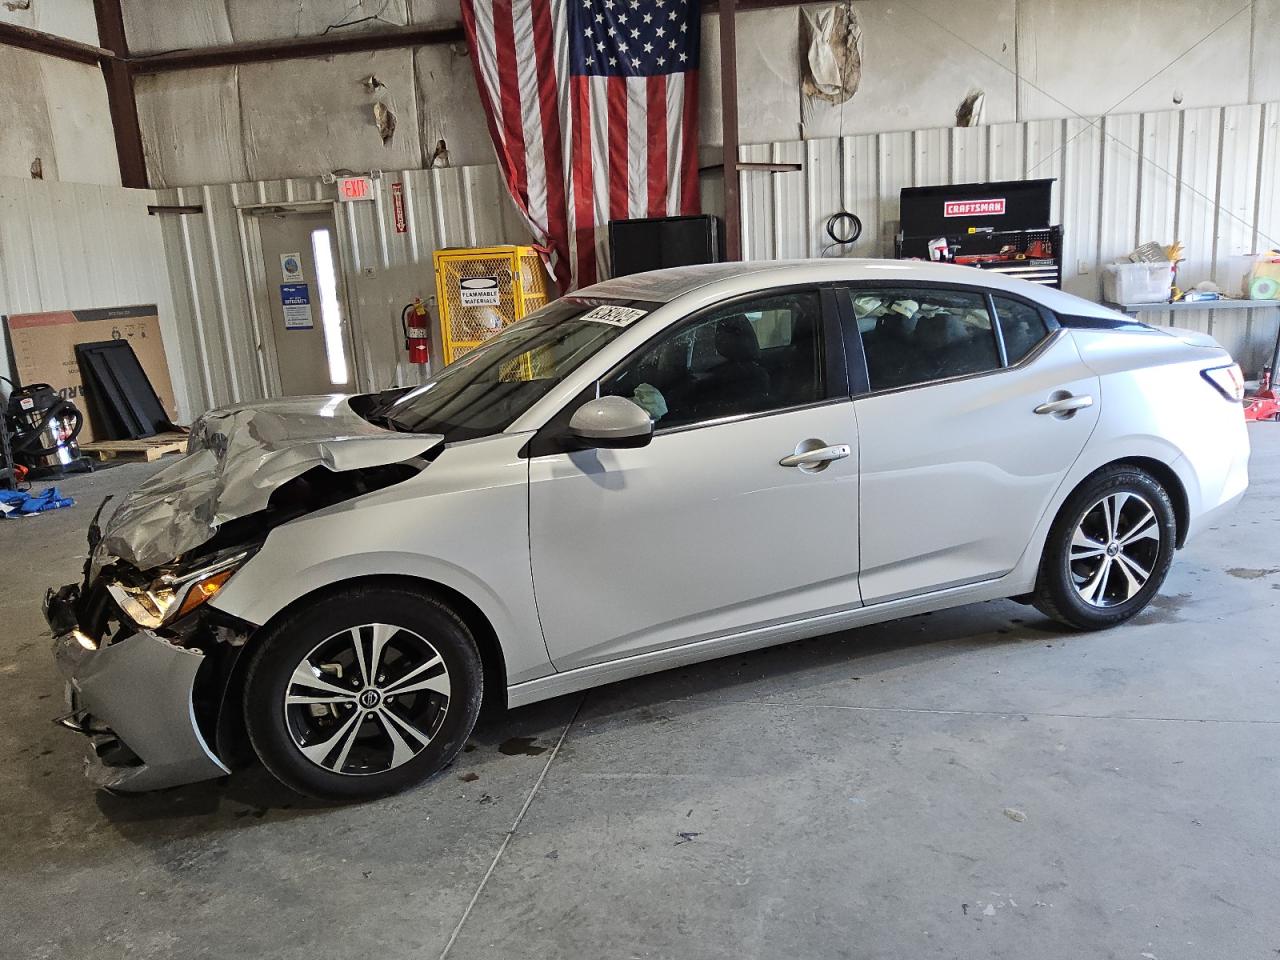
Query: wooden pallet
pixel 146 449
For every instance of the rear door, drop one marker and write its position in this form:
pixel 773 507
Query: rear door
pixel 974 409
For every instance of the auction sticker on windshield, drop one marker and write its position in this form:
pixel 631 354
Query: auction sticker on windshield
pixel 618 316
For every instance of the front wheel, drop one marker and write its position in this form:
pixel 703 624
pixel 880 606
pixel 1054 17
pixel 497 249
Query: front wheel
pixel 1108 551
pixel 363 693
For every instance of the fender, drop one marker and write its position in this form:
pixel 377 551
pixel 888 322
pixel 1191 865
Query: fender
pixel 256 595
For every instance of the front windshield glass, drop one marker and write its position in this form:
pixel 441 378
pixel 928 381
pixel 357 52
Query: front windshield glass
pixel 484 391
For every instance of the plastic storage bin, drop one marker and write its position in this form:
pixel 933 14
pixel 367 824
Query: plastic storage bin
pixel 1137 282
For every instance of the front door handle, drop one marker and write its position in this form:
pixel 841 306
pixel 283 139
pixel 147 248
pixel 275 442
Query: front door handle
pixel 1065 404
pixel 815 455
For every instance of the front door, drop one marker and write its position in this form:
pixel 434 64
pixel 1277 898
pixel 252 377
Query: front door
pixel 309 328
pixel 960 453
pixel 741 512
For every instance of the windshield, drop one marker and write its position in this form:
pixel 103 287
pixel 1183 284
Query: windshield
pixel 484 391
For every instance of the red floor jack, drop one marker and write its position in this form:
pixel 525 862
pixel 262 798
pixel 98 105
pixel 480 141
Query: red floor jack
pixel 1263 405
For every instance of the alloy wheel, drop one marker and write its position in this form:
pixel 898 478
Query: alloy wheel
pixel 1114 549
pixel 367 699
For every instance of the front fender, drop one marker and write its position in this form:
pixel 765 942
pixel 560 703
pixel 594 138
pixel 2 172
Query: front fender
pixel 471 505
pixel 257 593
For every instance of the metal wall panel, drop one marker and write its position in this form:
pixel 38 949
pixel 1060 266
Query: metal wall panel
pixel 221 288
pixel 1203 176
pixel 68 246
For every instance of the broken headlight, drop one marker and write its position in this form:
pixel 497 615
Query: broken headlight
pixel 174 594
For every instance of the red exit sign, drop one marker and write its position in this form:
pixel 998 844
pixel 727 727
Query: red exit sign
pixel 355 188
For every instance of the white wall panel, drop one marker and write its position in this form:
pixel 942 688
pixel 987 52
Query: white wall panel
pixel 1203 176
pixel 221 289
pixel 54 111
pixel 68 246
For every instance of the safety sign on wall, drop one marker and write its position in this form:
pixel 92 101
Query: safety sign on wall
pixel 295 298
pixel 478 292
pixel 291 267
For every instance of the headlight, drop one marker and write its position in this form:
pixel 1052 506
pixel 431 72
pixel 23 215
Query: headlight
pixel 172 596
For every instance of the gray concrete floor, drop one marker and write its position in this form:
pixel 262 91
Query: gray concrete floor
pixel 973 783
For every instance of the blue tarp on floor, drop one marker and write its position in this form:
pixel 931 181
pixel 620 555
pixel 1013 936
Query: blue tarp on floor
pixel 17 503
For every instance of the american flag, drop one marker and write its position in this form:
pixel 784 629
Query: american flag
pixel 593 107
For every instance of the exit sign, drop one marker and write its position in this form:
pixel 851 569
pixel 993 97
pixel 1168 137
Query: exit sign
pixel 355 188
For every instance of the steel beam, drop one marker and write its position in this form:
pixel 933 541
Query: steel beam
pixel 729 115
pixel 12 35
pixel 120 99
pixel 321 46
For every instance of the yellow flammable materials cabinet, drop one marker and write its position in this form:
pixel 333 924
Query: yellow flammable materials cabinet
pixel 481 290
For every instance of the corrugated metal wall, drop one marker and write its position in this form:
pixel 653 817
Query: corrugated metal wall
pixel 67 246
pixel 220 287
pixel 1208 177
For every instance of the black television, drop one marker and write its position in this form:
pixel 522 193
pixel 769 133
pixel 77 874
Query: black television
pixel 651 243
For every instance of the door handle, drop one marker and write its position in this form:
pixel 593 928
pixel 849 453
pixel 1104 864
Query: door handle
pixel 816 457
pixel 1067 404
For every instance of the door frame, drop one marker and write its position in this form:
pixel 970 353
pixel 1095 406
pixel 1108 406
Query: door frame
pixel 260 287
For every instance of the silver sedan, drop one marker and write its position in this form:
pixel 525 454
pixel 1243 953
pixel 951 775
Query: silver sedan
pixel 653 471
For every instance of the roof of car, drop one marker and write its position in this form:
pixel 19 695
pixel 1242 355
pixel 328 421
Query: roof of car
pixel 663 286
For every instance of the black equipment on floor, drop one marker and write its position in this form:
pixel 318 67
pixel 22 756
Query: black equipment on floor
pixel 123 403
pixel 40 430
pixel 651 243
pixel 1002 226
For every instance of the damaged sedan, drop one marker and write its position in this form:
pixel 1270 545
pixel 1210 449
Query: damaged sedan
pixel 654 471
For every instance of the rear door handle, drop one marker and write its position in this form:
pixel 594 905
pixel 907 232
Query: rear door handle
pixel 816 457
pixel 1067 404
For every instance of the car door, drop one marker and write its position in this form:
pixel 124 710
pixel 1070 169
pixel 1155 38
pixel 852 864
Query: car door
pixel 974 409
pixel 741 512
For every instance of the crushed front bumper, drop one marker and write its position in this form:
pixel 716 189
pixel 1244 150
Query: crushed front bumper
pixel 133 699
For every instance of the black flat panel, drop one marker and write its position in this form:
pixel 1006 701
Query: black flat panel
pixel 124 404
pixel 652 243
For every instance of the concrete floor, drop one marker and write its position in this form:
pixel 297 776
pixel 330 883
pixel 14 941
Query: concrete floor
pixel 973 783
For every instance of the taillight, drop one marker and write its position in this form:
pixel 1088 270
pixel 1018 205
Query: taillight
pixel 1228 381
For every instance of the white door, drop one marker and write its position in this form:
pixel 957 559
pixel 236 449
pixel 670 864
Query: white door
pixel 309 329
pixel 705 532
pixel 958 466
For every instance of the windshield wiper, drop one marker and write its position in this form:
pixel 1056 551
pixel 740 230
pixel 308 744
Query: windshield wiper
pixel 388 421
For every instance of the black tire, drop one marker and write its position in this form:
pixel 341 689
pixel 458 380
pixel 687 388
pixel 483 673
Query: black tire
pixel 280 732
pixel 1063 582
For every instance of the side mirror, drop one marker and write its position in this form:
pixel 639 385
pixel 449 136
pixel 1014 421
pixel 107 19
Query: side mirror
pixel 612 423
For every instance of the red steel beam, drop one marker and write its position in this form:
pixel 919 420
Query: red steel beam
pixel 321 46
pixel 120 98
pixel 25 38
pixel 729 116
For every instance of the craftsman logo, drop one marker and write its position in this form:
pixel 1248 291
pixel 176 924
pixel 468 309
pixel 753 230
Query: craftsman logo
pixel 973 208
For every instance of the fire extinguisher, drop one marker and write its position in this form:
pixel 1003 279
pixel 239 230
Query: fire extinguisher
pixel 415 321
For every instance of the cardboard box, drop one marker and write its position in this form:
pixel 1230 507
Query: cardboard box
pixel 43 347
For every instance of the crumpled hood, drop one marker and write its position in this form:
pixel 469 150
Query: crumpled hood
pixel 236 457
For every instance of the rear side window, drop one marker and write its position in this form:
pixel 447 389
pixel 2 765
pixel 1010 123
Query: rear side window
pixel 1021 325
pixel 913 336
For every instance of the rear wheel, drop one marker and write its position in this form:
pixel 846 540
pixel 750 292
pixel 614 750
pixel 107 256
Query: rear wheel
pixel 363 693
pixel 1108 551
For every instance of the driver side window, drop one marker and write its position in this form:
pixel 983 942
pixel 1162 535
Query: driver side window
pixel 748 357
